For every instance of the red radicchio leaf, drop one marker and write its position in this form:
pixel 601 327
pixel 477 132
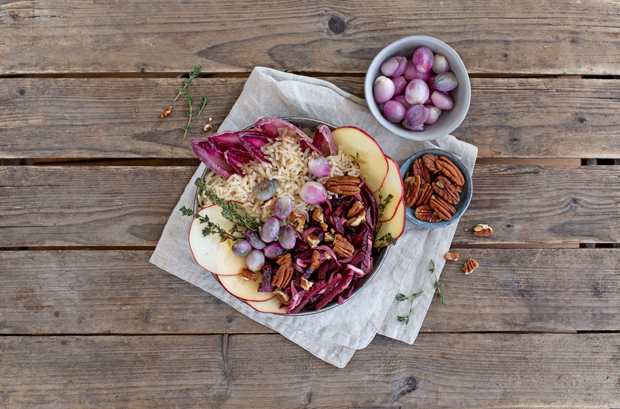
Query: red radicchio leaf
pixel 356 270
pixel 308 232
pixel 329 251
pixel 226 140
pixel 269 126
pixel 213 158
pixel 255 140
pixel 324 141
pixel 256 153
pixel 237 158
pixel 313 292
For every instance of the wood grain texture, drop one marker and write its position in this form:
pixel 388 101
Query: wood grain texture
pixel 128 206
pixel 550 37
pixel 119 118
pixel 250 371
pixel 119 292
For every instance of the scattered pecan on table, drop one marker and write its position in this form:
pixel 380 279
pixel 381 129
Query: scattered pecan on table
pixel 166 112
pixel 452 256
pixel 470 265
pixel 482 230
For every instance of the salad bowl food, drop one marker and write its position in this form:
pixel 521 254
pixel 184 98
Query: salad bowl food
pixel 294 216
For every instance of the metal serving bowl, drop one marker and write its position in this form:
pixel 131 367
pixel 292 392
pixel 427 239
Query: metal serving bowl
pixel 378 256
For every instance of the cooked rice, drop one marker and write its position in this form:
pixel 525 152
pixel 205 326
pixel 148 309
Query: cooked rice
pixel 289 166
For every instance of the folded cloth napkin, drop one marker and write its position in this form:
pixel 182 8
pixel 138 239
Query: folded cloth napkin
pixel 333 335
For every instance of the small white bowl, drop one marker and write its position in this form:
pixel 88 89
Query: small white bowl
pixel 449 120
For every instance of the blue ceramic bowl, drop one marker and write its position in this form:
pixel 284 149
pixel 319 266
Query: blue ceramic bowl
pixel 465 195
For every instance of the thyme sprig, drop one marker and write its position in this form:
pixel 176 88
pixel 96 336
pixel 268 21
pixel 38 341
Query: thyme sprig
pixel 231 210
pixel 403 297
pixel 203 103
pixel 190 113
pixel 188 81
pixel 211 227
pixel 437 284
pixel 387 239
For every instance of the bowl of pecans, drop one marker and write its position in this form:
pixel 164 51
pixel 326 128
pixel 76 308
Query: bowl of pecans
pixel 438 188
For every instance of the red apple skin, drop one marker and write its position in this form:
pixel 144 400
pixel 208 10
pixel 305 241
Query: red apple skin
pixel 268 307
pixel 260 297
pixel 394 175
pixel 372 140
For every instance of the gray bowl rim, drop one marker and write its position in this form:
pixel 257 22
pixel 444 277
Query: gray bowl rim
pixel 464 200
pixel 377 261
pixel 374 108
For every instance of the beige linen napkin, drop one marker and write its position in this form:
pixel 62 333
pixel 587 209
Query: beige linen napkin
pixel 332 335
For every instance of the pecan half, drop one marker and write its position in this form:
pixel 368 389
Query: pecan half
pixel 441 208
pixel 355 209
pixel 469 266
pixel 283 276
pixel 444 188
pixel 298 222
pixel 412 189
pixel 316 260
pixel 425 194
pixel 357 219
pixel 453 256
pixel 328 238
pixel 429 161
pixel 312 240
pixel 482 230
pixel 248 274
pixel 305 284
pixel 425 213
pixel 166 112
pixel 317 215
pixel 450 170
pixel 421 170
pixel 344 185
pixel 342 246
pixel 282 296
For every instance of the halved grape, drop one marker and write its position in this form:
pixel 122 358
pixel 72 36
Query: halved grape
pixel 287 237
pixel 274 250
pixel 241 248
pixel 254 239
pixel 255 260
pixel 269 231
pixel 283 207
pixel 265 190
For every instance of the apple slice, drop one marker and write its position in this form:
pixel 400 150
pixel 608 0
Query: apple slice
pixel 209 251
pixel 358 143
pixel 395 226
pixel 247 290
pixel 392 185
pixel 271 307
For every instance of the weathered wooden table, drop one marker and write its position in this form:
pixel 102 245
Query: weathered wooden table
pixel 90 174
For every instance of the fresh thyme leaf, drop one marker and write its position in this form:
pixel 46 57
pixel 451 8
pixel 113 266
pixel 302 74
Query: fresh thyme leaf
pixel 403 297
pixel 212 228
pixel 203 103
pixel 230 210
pixel 190 113
pixel 356 159
pixel 186 211
pixel 383 203
pixel 188 81
pixel 437 285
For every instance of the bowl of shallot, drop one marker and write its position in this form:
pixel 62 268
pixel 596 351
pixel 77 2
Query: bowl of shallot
pixel 418 88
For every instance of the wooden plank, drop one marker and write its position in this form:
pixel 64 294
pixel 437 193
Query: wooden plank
pixel 128 206
pixel 119 292
pixel 250 371
pixel 527 37
pixel 119 118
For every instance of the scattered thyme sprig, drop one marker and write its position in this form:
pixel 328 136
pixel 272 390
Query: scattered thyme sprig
pixel 190 113
pixel 203 103
pixel 212 228
pixel 403 297
pixel 230 210
pixel 437 284
pixel 188 81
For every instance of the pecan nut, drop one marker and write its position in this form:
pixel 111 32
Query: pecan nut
pixel 328 238
pixel 357 219
pixel 342 247
pixel 412 189
pixel 429 161
pixel 298 222
pixel 316 260
pixel 305 284
pixel 482 230
pixel 284 275
pixel 453 256
pixel 421 170
pixel 425 213
pixel 355 209
pixel 426 192
pixel 282 296
pixel 450 170
pixel 441 208
pixel 317 215
pixel 312 240
pixel 469 266
pixel 248 274
pixel 166 112
pixel 344 185
pixel 444 188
